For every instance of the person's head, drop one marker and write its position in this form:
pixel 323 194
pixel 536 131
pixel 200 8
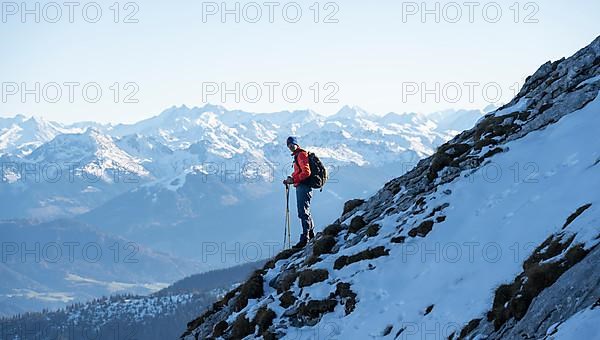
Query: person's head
pixel 292 143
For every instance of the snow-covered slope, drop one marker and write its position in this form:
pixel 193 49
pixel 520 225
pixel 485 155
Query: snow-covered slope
pixel 460 246
pixel 90 152
pixel 583 325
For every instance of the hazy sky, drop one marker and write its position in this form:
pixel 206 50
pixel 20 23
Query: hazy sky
pixel 380 55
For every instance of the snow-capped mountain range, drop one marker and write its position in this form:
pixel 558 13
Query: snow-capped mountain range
pixel 180 140
pixel 227 134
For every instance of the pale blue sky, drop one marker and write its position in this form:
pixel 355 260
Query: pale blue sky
pixel 370 54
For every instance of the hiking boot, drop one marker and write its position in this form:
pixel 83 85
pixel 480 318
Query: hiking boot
pixel 300 244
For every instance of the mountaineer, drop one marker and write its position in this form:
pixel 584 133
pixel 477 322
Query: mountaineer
pixel 309 173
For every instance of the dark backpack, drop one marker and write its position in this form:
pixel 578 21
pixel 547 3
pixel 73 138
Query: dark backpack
pixel 318 172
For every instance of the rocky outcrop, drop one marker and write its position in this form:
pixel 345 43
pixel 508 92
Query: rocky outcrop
pixel 574 290
pixel 538 104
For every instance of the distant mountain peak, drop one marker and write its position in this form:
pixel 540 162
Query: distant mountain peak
pixel 92 131
pixel 401 118
pixel 20 117
pixel 213 108
pixel 351 112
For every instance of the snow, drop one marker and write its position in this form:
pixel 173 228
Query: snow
pixel 341 153
pixel 21 135
pixel 163 149
pixel 63 297
pixel 519 106
pixel 136 308
pixel 114 286
pixel 589 81
pixel 582 325
pixel 350 112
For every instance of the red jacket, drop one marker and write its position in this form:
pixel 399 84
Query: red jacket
pixel 301 166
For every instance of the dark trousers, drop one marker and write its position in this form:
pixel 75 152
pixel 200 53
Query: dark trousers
pixel 303 196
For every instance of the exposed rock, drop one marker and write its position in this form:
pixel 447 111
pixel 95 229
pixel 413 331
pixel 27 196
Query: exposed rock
pixel 447 154
pixel 323 245
pixel 422 230
pixel 314 309
pixel 368 254
pixel 576 214
pixel 513 300
pixel 493 152
pixel 269 336
pixel 241 327
pixel 212 312
pixel 398 239
pixel 312 259
pixel 356 224
pixel 284 254
pixel 469 328
pixel 310 276
pixel 347 296
pixel 251 289
pixel 351 205
pixel 372 230
pixel 220 328
pixel 264 319
pixel 284 281
pixel 287 299
pixel 574 290
pixel 438 209
pixel 332 229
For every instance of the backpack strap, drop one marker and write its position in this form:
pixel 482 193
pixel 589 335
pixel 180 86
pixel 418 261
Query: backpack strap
pixel 296 156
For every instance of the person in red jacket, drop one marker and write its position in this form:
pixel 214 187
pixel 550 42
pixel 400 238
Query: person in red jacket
pixel 303 190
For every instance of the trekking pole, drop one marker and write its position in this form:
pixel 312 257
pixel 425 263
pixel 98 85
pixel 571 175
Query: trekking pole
pixel 287 209
pixel 287 215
